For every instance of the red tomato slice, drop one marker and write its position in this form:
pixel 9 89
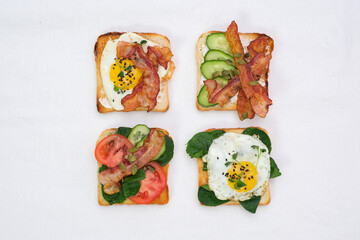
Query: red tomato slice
pixel 111 150
pixel 152 186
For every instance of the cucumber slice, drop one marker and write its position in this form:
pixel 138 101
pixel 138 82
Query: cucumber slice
pixel 162 150
pixel 169 152
pixel 219 55
pixel 208 68
pixel 141 142
pixel 203 98
pixel 218 41
pixel 138 133
pixel 222 81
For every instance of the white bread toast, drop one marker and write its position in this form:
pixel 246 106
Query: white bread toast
pixel 246 38
pixel 161 200
pixel 204 178
pixel 162 104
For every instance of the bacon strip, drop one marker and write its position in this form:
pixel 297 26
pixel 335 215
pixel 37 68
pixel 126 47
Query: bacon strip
pixel 152 145
pixel 145 93
pixel 244 108
pixel 259 64
pixel 212 87
pixel 260 45
pixel 161 55
pixel 256 94
pixel 230 90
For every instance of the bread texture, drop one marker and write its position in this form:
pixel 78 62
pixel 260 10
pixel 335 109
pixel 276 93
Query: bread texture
pixel 161 200
pixel 246 38
pixel 204 177
pixel 161 106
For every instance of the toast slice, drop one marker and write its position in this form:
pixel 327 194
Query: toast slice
pixel 163 97
pixel 204 177
pixel 201 50
pixel 161 200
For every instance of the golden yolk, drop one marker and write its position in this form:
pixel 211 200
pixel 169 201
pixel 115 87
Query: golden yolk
pixel 124 74
pixel 246 172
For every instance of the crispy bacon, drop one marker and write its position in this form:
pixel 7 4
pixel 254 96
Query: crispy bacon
pixel 230 90
pixel 152 145
pixel 258 64
pixel 257 95
pixel 260 45
pixel 161 55
pixel 145 93
pixel 244 108
pixel 212 87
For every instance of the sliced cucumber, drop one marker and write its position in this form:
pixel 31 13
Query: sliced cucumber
pixel 162 150
pixel 138 133
pixel 141 142
pixel 169 152
pixel 203 98
pixel 218 41
pixel 219 55
pixel 208 68
pixel 222 81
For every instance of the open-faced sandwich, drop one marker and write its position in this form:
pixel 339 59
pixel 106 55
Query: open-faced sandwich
pixel 132 71
pixel 133 165
pixel 233 70
pixel 234 166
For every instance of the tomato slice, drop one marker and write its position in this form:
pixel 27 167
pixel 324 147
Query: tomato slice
pixel 152 186
pixel 111 150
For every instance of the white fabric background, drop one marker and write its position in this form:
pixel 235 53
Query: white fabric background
pixel 49 123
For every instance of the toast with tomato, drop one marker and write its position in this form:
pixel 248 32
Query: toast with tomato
pixel 133 165
pixel 133 70
pixel 232 72
pixel 236 165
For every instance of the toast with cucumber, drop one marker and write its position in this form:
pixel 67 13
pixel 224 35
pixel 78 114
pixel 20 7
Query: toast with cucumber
pixel 133 165
pixel 233 71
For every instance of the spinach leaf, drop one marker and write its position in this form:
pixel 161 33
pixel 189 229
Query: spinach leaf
pixel 130 186
pixel 103 168
pixel 263 136
pixel 124 131
pixel 199 144
pixel 208 198
pixel 275 171
pixel 216 133
pixel 169 152
pixel 251 204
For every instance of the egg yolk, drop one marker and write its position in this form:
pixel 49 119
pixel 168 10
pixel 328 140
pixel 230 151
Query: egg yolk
pixel 246 172
pixel 124 74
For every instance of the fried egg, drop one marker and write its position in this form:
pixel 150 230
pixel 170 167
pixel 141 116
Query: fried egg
pixel 120 76
pixel 238 166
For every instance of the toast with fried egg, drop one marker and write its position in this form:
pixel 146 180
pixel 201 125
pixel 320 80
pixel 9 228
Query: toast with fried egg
pixel 204 177
pixel 105 103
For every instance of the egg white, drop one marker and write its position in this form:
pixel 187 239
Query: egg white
pixel 221 150
pixel 113 98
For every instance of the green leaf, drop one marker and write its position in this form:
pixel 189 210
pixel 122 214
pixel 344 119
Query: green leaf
pixel 128 68
pixel 239 184
pixel 205 166
pixel 124 131
pixel 169 152
pixel 275 171
pixel 103 168
pixel 131 188
pixel 140 175
pixel 251 204
pixel 208 198
pixel 113 198
pixel 231 180
pixel 121 74
pixel 116 89
pixel 263 136
pixel 234 156
pixel 199 144
pixel 228 163
pixel 216 133
pixel 143 42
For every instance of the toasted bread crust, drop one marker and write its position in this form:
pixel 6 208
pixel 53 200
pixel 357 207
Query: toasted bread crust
pixel 161 106
pixel 230 106
pixel 161 200
pixel 204 177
